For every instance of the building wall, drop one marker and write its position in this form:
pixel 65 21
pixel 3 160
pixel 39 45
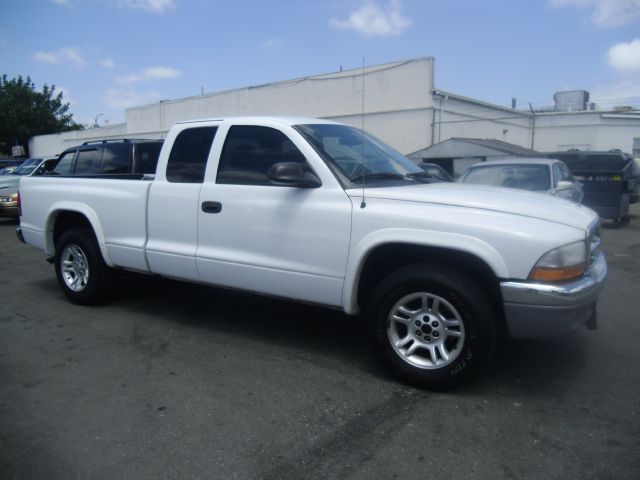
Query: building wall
pixel 457 116
pixel 397 106
pixel 586 131
pixel 401 107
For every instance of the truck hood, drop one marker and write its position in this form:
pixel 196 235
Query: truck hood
pixel 517 202
pixel 9 181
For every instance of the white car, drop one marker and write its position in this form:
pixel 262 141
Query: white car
pixel 542 175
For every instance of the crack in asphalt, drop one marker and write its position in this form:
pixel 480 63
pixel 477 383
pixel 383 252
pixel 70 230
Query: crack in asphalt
pixel 353 444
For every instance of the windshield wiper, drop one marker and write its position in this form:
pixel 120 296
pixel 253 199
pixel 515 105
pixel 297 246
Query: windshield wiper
pixel 423 177
pixel 378 176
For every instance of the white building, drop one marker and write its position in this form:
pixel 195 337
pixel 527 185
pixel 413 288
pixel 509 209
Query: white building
pixel 401 106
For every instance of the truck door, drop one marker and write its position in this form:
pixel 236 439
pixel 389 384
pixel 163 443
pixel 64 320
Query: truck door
pixel 280 240
pixel 173 204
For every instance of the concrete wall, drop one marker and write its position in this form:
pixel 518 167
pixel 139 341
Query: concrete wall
pixel 397 105
pixel 395 95
pixel 457 116
pixel 586 131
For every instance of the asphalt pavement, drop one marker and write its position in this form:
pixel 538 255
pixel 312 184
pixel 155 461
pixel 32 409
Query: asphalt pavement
pixel 179 381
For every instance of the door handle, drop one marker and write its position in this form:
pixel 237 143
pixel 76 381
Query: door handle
pixel 211 207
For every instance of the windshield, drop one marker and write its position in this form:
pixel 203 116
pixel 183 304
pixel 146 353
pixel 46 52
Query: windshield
pixel 526 177
pixel 27 166
pixel 356 156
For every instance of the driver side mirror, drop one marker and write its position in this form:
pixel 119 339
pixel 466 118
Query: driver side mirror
pixel 564 185
pixel 292 174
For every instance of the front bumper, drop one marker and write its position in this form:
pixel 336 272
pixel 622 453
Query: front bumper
pixel 538 310
pixel 9 209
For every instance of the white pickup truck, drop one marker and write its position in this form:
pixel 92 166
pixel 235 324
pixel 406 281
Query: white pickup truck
pixel 320 212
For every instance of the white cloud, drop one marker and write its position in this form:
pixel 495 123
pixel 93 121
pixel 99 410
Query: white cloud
pixel 66 95
pixel 373 20
pixel 70 55
pixel 119 98
pixel 606 13
pixel 46 57
pixel 155 6
pixel 61 2
pixel 149 74
pixel 107 63
pixel 625 57
pixel 270 43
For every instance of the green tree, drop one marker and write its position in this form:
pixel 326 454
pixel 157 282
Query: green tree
pixel 25 112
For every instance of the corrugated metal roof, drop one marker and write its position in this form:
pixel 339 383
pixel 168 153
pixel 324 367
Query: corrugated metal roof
pixel 457 147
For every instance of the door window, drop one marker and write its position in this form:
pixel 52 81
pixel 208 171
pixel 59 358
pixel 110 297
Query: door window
pixel 250 151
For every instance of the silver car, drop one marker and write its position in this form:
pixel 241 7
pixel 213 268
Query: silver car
pixel 9 183
pixel 542 175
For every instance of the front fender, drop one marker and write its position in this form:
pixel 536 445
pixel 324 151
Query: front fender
pixel 416 237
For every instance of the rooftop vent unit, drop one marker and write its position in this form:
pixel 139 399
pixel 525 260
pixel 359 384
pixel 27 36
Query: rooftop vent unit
pixel 571 101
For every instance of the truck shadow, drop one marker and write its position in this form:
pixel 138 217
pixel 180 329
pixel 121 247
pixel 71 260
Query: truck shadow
pixel 339 339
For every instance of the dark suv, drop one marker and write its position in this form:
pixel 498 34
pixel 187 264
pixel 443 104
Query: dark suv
pixel 110 157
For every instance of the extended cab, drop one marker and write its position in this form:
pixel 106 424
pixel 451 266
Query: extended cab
pixel 320 212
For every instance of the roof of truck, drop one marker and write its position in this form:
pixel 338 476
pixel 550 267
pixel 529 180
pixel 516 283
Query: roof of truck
pixel 287 120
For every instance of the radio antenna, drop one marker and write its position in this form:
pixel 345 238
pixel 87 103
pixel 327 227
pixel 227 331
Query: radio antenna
pixel 363 203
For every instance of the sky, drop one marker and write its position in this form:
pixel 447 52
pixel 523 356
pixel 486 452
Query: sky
pixel 108 55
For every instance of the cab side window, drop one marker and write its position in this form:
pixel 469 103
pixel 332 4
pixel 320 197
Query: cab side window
pixel 188 158
pixel 250 151
pixel 566 173
pixel 86 163
pixel 116 158
pixel 557 174
pixel 65 163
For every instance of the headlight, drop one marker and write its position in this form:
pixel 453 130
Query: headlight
pixel 13 198
pixel 562 263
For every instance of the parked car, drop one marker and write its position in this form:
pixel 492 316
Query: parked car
pixel 9 183
pixel 7 170
pixel 9 163
pixel 542 175
pixel 110 157
pixel 436 171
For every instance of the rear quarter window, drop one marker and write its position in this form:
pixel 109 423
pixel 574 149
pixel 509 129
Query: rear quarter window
pixel 188 158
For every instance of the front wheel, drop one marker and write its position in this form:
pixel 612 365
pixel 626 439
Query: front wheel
pixel 431 325
pixel 80 269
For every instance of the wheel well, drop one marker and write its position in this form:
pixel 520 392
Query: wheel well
pixel 388 258
pixel 67 220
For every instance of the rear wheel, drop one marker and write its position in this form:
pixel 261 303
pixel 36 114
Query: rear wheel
pixel 81 271
pixel 431 325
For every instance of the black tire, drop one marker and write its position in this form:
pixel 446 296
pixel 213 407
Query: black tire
pixel 85 278
pixel 463 322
